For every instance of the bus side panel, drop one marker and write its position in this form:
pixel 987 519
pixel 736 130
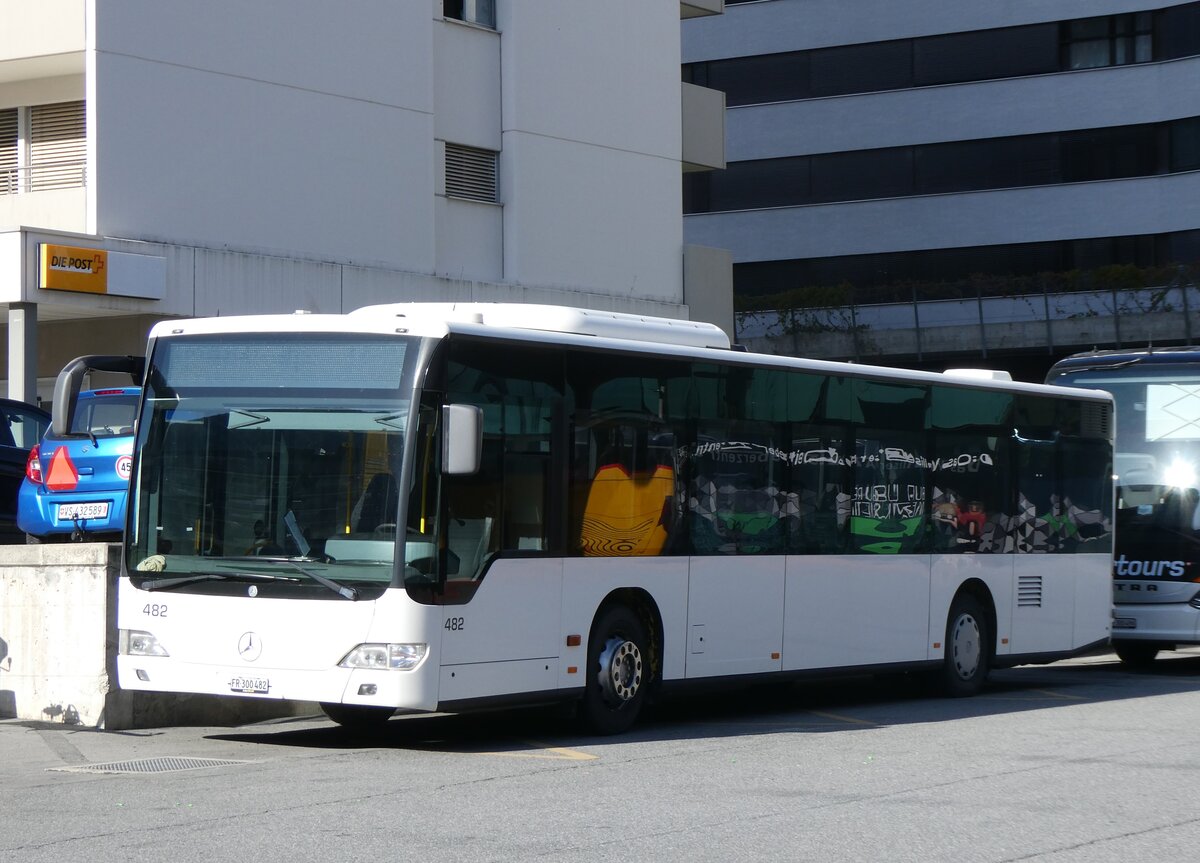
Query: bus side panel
pixel 950 572
pixel 847 610
pixel 487 644
pixel 588 580
pixel 1043 605
pixel 1093 597
pixel 735 615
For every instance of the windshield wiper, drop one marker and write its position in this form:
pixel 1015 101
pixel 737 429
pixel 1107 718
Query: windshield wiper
pixel 178 580
pixel 340 589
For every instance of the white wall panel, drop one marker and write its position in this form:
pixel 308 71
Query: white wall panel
pixel 466 85
pixel 232 284
pixel 470 241
pixel 43 91
pixel 591 218
pixel 372 50
pixel 607 73
pixel 42 29
pixel 234 139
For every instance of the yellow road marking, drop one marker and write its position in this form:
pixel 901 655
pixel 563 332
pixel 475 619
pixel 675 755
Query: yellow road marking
pixel 1063 695
pixel 1044 693
pixel 554 753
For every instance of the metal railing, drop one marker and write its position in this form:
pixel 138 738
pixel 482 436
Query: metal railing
pixel 44 177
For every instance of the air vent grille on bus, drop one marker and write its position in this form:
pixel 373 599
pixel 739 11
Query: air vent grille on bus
pixel 1029 591
pixel 1097 420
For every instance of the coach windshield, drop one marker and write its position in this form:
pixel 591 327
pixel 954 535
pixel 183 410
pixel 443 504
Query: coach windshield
pixel 1157 464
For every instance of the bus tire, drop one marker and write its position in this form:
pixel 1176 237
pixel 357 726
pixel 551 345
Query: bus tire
pixel 358 717
pixel 618 671
pixel 968 647
pixel 1136 654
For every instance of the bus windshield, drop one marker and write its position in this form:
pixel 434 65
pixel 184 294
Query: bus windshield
pixel 271 463
pixel 1157 459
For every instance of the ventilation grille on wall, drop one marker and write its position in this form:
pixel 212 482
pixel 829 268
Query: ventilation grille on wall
pixel 1029 591
pixel 470 173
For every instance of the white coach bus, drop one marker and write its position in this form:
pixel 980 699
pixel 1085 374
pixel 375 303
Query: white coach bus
pixel 436 507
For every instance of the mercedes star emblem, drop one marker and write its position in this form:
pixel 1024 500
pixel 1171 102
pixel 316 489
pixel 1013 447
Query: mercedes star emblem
pixel 249 646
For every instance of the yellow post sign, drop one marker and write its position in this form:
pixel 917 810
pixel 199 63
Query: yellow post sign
pixel 67 268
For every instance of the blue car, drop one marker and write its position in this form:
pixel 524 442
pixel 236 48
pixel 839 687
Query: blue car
pixel 75 486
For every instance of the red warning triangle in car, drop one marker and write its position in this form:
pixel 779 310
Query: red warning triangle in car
pixel 62 475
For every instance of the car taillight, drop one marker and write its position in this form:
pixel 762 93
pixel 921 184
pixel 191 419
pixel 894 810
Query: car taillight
pixel 33 466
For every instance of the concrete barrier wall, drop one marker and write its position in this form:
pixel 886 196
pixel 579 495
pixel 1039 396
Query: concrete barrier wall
pixel 58 646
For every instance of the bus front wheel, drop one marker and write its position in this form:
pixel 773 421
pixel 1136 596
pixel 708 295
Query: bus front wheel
pixel 358 717
pixel 618 671
pixel 968 654
pixel 1136 654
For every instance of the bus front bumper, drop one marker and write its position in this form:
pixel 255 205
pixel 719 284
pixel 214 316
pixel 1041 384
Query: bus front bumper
pixel 411 690
pixel 1168 622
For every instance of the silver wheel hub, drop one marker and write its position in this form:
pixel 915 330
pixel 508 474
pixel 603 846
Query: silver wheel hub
pixel 620 670
pixel 965 646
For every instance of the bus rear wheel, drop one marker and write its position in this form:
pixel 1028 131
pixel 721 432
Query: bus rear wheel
pixel 618 671
pixel 358 717
pixel 968 654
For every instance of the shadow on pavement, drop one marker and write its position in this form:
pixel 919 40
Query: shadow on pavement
pixel 828 706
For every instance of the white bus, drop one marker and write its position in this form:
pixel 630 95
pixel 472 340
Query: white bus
pixel 1156 571
pixel 430 507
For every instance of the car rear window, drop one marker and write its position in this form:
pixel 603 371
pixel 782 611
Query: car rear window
pixel 105 416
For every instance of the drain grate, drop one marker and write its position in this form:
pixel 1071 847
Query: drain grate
pixel 164 764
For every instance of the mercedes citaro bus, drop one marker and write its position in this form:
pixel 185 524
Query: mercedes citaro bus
pixel 424 507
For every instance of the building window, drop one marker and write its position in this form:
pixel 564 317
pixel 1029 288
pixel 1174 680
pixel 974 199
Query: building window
pixel 1078 156
pixel 8 151
pixel 952 58
pixel 57 146
pixel 470 173
pixel 1060 266
pixel 481 12
pixel 43 147
pixel 1111 40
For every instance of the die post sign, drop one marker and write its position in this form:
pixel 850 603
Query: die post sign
pixel 68 268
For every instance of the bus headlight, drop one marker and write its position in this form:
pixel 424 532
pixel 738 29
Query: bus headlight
pixel 404 657
pixel 135 642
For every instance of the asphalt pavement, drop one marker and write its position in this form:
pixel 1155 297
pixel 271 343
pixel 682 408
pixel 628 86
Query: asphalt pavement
pixel 1078 761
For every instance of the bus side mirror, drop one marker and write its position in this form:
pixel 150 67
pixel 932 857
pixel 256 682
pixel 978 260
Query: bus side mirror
pixel 462 438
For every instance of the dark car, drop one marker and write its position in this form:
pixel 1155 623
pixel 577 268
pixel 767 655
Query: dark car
pixel 20 432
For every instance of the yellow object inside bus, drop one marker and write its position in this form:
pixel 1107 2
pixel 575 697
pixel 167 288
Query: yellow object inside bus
pixel 625 513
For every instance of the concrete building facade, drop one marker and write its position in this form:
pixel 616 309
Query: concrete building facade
pixel 161 160
pixel 930 182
